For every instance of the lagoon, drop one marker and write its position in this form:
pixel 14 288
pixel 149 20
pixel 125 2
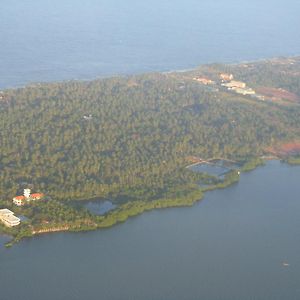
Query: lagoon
pixel 231 245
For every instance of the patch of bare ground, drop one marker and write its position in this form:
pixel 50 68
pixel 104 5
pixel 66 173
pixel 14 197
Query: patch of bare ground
pixel 286 149
pixel 278 94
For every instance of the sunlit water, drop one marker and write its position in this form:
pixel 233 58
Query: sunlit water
pixel 231 245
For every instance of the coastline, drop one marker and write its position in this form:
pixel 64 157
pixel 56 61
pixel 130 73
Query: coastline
pixel 224 218
pixel 136 208
pixel 186 195
pixel 128 210
pixel 124 75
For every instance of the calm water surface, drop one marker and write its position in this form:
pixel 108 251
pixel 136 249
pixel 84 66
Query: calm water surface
pixel 52 40
pixel 99 207
pixel 229 246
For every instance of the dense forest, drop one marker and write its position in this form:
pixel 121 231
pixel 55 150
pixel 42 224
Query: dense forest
pixel 128 138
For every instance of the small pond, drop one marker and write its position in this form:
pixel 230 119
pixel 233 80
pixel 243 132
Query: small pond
pixel 96 206
pixel 210 169
pixel 23 218
pixel 99 207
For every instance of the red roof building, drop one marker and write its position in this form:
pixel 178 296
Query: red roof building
pixel 36 196
pixel 22 200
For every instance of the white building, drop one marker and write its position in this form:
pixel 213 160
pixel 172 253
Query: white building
pixel 246 91
pixel 8 218
pixel 27 193
pixel 235 84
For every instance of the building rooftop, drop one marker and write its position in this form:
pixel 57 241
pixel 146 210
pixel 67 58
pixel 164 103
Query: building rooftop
pixel 37 195
pixel 8 217
pixel 19 197
pixel 5 211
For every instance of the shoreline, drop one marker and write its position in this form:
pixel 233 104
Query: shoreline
pixel 34 84
pixel 178 193
pixel 129 210
pixel 137 208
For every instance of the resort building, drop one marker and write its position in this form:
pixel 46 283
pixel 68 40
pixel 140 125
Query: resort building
pixel 27 197
pixel 245 91
pixel 8 218
pixel 239 87
pixel 235 84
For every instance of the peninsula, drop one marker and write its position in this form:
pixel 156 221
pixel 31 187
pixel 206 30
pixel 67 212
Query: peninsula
pixel 144 142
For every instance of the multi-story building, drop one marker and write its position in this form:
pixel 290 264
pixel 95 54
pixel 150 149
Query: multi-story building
pixel 8 218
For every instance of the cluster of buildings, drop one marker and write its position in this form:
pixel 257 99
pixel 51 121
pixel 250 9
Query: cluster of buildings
pixel 227 81
pixel 239 87
pixel 8 218
pixel 27 197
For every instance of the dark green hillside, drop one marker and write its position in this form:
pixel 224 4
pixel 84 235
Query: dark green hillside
pixel 130 139
pixel 127 136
